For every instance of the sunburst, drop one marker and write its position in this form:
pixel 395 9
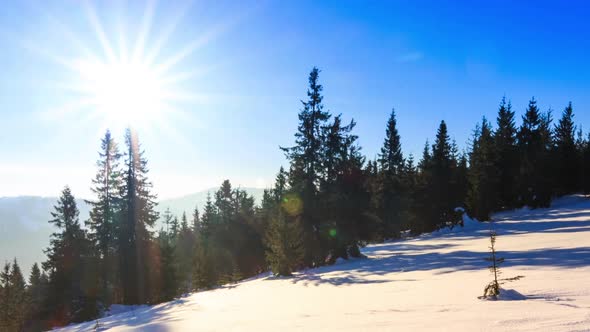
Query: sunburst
pixel 130 84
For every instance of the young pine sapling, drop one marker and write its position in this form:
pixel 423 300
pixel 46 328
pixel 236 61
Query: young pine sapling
pixel 492 290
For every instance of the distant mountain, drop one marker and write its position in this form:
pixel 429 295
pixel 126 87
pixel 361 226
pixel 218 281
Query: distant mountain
pixel 24 228
pixel 25 231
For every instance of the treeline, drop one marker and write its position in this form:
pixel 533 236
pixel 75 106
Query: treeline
pixel 327 204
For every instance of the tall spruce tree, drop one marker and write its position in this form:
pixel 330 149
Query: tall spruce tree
pixel 483 174
pixel 391 158
pixel 422 195
pixel 507 161
pixel 18 297
pixel 185 245
pixel 105 213
pixel 530 145
pixel 204 275
pixel 442 173
pixel 5 294
pixel 566 151
pixel 342 197
pixel 136 245
pixel 168 276
pixel 71 289
pixel 394 203
pixel 36 296
pixel 306 159
pixel 13 298
pixel 284 244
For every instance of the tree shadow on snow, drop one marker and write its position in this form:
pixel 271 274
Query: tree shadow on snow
pixel 144 318
pixel 401 259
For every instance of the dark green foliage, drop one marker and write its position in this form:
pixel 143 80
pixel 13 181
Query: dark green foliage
pixel 135 239
pixel 393 205
pixel 168 276
pixel 13 298
pixel 185 244
pixel 285 247
pixel 36 292
pixel 567 153
pixel 228 241
pixel 203 274
pixel 307 161
pixel 483 174
pixel 442 186
pixel 507 162
pixel 104 214
pixel 72 284
pixel 391 158
pixel 534 144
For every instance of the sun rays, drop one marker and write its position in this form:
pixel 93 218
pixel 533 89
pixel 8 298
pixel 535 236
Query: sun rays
pixel 119 78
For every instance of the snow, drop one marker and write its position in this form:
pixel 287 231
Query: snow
pixel 427 283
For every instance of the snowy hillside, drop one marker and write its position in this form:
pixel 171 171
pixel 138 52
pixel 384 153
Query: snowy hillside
pixel 428 283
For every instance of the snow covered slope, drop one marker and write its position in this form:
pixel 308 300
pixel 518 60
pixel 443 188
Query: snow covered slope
pixel 430 283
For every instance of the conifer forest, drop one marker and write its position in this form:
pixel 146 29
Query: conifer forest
pixel 327 203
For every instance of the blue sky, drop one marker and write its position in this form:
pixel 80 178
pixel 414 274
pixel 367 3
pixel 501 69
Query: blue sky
pixel 245 67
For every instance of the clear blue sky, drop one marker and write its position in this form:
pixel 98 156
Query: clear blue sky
pixel 245 65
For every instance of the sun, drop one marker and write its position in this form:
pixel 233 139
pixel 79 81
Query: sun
pixel 128 74
pixel 123 92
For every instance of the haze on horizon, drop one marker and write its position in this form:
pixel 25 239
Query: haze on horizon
pixel 233 75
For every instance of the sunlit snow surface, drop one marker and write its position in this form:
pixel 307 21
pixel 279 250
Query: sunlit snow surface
pixel 429 283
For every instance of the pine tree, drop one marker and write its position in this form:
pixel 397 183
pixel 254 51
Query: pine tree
pixel 493 288
pixel 442 170
pixel 209 218
pixel 567 153
pixel 13 299
pixel 36 292
pixel 394 204
pixel 203 274
pixel 284 242
pixel 175 227
pixel 169 281
pixel 196 225
pixel 18 297
pixel 391 158
pixel 483 174
pixel 224 198
pixel 104 213
pixel 307 153
pixel 422 196
pixel 5 295
pixel 167 219
pixel 184 254
pixel 71 290
pixel 280 188
pixel 136 245
pixel 507 161
pixel 307 161
pixel 534 140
